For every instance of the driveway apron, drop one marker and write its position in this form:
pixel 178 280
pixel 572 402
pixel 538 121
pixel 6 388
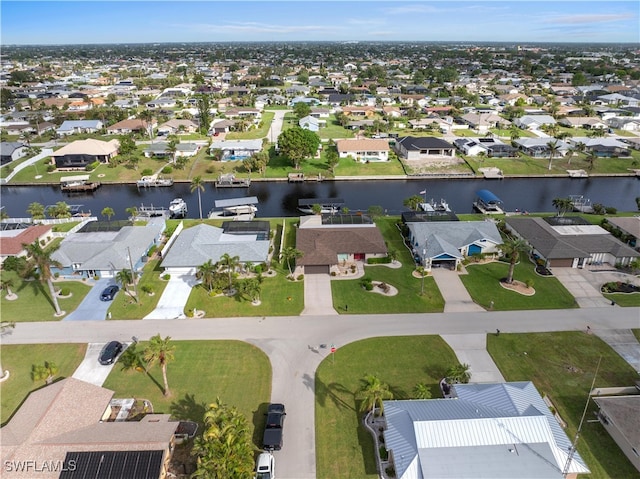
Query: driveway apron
pixel 623 342
pixel 579 283
pixel 318 300
pixel 91 308
pixel 456 297
pixel 90 370
pixel 471 349
pixel 174 298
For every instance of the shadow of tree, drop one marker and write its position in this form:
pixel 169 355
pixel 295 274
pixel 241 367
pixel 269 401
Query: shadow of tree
pixel 259 419
pixel 187 408
pixel 333 391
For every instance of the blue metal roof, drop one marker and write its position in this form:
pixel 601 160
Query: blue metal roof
pixel 488 197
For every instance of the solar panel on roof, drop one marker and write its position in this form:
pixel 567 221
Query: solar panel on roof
pixel 112 465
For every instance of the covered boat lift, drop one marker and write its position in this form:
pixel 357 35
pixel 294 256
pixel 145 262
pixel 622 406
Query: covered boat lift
pixel 488 203
pixel 328 205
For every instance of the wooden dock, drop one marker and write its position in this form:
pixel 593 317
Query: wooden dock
pixel 492 173
pixel 577 174
pixel 301 177
pixel 229 180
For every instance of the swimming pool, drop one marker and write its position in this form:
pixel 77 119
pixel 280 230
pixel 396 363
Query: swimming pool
pixel 235 157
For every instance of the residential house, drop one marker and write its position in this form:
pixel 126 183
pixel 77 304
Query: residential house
pixel 311 123
pixel 325 244
pixel 620 417
pixel 126 127
pixel 126 103
pixel 63 431
pixel 587 122
pixel 248 240
pixel 11 240
pixel 482 122
pixel 221 126
pixel 469 146
pixel 236 149
pixel 630 226
pixel 11 151
pixel 106 253
pixel 243 113
pixel 161 102
pixel 534 122
pixel 364 150
pixel 69 127
pixel 81 153
pixel 502 430
pixel 539 147
pixel 571 242
pixel 603 147
pixel 161 149
pixel 624 123
pixel 177 126
pixel 617 99
pixel 419 148
pixel 447 243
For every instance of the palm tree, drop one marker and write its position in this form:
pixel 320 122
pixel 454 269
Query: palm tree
pixel 562 205
pixel 207 273
pixel 291 253
pixel 372 393
pixel 229 263
pixel 132 211
pixel 198 185
pixel 108 212
pixel 124 277
pixel 553 150
pixel 513 248
pixel 172 148
pixel 422 391
pixel 44 372
pixel 459 373
pixel 591 159
pixel 413 202
pixel 4 327
pixel 161 351
pixel 6 285
pixel 42 260
pixel 59 210
pixel 147 117
pixel 251 288
pixel 514 132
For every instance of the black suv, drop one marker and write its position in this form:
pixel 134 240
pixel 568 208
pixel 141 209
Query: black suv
pixel 272 439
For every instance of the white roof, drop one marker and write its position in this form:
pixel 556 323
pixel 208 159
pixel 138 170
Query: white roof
pixel 89 147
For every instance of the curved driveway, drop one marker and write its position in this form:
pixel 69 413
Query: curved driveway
pixel 287 341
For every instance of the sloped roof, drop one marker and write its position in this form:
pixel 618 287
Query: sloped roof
pixel 630 225
pixel 362 145
pixel 201 243
pixel 12 245
pixel 494 417
pixel 624 412
pixel 412 143
pixel 321 246
pixel 89 147
pixel 450 236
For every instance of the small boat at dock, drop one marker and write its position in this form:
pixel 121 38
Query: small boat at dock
pixel 487 203
pixel 235 208
pixel 327 205
pixel 149 181
pixel 78 183
pixel 178 208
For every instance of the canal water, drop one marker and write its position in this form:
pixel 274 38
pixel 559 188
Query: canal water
pixel 281 198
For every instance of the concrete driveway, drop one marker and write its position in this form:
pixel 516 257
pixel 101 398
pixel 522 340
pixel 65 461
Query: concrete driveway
pixel 91 308
pixel 456 297
pixel 90 370
pixel 318 299
pixel 623 342
pixel 174 298
pixel 584 285
pixel 471 349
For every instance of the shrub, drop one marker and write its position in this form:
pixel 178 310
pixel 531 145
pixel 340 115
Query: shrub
pixel 56 275
pixel 96 277
pixel 51 168
pixel 65 292
pixel 258 269
pixel 152 250
pixel 167 169
pixel 14 263
pixel 385 260
pixel 390 471
pixel 333 273
pixel 300 277
pixel 166 277
pixel 529 283
pixel 147 172
pixel 92 166
pixel 384 454
pixel 211 170
pixel 610 210
pixel 146 289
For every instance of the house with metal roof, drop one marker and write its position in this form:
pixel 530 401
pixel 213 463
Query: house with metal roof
pixel 249 240
pixel 570 242
pixel 497 431
pixel 446 243
pixel 69 127
pixel 63 431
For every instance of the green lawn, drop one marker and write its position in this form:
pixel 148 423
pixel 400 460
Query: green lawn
pixel 255 133
pixel 624 300
pixel 237 372
pixel 482 282
pixel 18 360
pixel 34 304
pixel 351 167
pixel 124 307
pixel 343 447
pixel 562 366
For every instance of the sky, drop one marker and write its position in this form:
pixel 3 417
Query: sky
pixel 74 22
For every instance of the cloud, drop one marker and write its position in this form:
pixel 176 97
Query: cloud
pixel 360 21
pixel 255 27
pixel 591 18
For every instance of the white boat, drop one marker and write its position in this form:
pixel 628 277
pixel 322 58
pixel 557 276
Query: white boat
pixel 149 181
pixel 327 205
pixel 178 207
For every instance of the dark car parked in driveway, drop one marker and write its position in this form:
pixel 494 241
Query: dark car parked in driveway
pixel 109 293
pixel 272 439
pixel 110 352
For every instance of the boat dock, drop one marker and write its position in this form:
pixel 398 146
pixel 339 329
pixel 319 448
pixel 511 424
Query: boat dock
pixel 492 173
pixel 577 173
pixel 301 177
pixel 229 180
pixel 150 181
pixel 78 183
pixel 581 204
pixel 487 203
pixel 327 205
pixel 151 211
pixel 235 208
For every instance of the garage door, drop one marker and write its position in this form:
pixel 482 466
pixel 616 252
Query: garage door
pixel 316 269
pixel 561 263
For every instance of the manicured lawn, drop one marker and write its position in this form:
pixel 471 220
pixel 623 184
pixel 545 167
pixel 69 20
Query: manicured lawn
pixel 562 366
pixel 343 447
pixel 408 299
pixel 34 304
pixel 260 132
pixel 350 167
pixel 124 307
pixel 624 299
pixel 482 282
pixel 18 360
pixel 237 372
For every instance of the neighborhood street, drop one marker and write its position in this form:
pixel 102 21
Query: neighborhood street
pixel 292 344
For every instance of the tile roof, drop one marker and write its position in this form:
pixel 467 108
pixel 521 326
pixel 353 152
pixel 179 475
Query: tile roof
pixel 12 245
pixel 362 145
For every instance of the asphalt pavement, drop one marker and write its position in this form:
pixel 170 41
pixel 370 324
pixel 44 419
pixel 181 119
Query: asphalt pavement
pixel 91 308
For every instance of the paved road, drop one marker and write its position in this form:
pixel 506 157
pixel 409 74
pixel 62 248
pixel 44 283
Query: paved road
pixel 286 341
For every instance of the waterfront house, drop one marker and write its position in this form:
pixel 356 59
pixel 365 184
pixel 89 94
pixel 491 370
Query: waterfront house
pixel 81 153
pixel 500 430
pixel 539 147
pixel 12 240
pixel 603 147
pixel 236 149
pixel 364 150
pixel 447 243
pixel 11 151
pixel 419 148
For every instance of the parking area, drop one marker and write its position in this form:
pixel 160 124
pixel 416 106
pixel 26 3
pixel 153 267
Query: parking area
pixel 90 370
pixel 91 308
pixel 174 298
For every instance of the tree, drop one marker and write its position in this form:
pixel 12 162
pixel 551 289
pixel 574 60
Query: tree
pixel 591 159
pixel 375 211
pixel 316 209
pixel 160 351
pixel 127 145
pixel 513 248
pixel 147 117
pixel 290 253
pixel 229 264
pixel 333 159
pixel 108 212
pixel 197 184
pixel 301 109
pixel 251 288
pixel 204 114
pixel 125 278
pixel 422 391
pixel 44 372
pixel 172 147
pixel 206 273
pixel 5 285
pixel 42 261
pixel 413 202
pixel 297 143
pixel 554 148
pixel 372 393
pixel 459 373
pixel 225 449
pixel 36 210
pixel 562 205
pixel 514 132
pixel 59 210
pixel 132 211
pixel 4 327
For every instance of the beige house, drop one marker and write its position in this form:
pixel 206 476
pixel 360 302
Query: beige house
pixel 364 150
pixel 81 153
pixel 62 431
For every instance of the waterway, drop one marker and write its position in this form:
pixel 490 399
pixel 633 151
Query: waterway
pixel 281 199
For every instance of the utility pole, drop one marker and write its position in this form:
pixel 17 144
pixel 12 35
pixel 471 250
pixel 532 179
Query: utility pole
pixel 133 274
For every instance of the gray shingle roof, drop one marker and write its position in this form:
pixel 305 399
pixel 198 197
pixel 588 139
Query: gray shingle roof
pixel 450 236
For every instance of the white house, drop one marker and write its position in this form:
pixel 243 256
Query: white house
pixel 364 150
